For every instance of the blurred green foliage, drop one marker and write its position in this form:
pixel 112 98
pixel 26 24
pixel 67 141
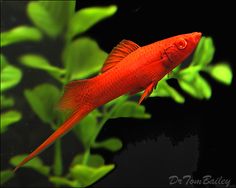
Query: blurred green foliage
pixel 82 57
pixel 10 77
pixel 20 34
pixel 6 175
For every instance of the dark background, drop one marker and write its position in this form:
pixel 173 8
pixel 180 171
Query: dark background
pixel 195 138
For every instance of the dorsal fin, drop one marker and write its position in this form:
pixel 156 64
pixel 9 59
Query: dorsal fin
pixel 124 48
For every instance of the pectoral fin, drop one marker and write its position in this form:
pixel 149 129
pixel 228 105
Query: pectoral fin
pixel 147 91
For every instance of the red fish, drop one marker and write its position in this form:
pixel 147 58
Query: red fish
pixel 128 69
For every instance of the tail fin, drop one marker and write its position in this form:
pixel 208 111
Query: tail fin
pixel 74 99
pixel 75 94
pixel 64 128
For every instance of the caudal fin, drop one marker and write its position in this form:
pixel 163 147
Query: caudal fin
pixel 75 95
pixel 64 128
pixel 74 100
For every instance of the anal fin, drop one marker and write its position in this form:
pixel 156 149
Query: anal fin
pixel 147 92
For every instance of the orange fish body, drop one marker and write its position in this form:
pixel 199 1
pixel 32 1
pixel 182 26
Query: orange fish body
pixel 128 69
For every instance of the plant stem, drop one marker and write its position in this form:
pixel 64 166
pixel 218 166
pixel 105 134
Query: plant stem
pixel 58 166
pixel 107 116
pixel 86 156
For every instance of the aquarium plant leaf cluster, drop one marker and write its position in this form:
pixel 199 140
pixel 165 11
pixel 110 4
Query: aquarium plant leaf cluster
pixel 81 57
pixel 10 77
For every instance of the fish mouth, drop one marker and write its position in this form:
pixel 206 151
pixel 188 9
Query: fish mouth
pixel 196 36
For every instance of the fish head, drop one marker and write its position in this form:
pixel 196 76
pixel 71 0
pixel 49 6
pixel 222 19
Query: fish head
pixel 179 47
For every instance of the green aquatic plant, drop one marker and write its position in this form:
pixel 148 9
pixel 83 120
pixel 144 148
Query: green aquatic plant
pixel 10 77
pixel 46 16
pixel 82 57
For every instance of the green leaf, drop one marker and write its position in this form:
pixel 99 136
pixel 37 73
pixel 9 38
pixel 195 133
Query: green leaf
pixel 204 52
pixel 221 72
pixel 82 58
pixel 86 129
pixel 112 144
pixel 3 62
pixel 8 118
pixel 116 101
pixel 203 87
pixel 195 85
pixel 60 11
pixel 10 75
pixel 51 16
pixel 6 102
pixel 85 18
pixel 131 110
pixel 56 180
pixel 189 71
pixel 35 164
pixel 43 99
pixel 94 160
pixel 87 175
pixel 20 34
pixel 39 62
pixel 164 90
pixel 6 175
pixel 198 51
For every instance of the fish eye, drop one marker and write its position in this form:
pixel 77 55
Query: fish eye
pixel 181 43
